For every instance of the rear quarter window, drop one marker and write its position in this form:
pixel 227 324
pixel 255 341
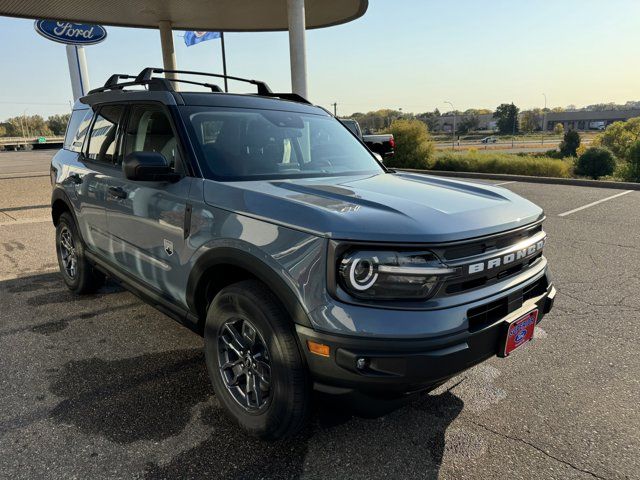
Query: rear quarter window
pixel 77 129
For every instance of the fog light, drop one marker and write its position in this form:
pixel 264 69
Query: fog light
pixel 361 363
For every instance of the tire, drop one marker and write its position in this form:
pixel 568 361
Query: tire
pixel 82 278
pixel 286 401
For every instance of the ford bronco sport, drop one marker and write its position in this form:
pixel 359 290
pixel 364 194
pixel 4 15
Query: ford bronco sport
pixel 262 223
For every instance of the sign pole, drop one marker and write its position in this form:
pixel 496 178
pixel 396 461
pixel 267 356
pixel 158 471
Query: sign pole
pixel 78 71
pixel 224 63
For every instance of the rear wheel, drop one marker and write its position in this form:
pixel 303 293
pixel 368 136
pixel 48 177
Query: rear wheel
pixel 254 363
pixel 78 274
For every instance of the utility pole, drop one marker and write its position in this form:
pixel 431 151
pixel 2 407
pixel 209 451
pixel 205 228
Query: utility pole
pixel 335 109
pixel 453 133
pixel 544 117
pixel 513 129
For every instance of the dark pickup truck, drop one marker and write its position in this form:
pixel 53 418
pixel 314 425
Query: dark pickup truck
pixel 382 144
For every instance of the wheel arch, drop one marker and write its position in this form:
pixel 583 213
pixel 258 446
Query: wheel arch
pixel 222 266
pixel 60 203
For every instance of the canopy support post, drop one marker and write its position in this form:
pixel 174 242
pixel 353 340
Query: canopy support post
pixel 297 46
pixel 168 51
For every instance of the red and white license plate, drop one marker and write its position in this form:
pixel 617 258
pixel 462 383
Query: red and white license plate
pixel 520 331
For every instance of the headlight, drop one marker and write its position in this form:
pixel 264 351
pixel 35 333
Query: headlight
pixel 387 275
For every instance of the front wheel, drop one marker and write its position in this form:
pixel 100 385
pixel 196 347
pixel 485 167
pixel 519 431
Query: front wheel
pixel 254 362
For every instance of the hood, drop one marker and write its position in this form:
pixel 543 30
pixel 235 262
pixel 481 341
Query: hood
pixel 386 207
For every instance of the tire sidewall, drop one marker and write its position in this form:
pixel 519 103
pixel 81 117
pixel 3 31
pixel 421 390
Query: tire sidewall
pixel 237 303
pixel 66 222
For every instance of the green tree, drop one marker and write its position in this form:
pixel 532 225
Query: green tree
pixel 530 120
pixel 58 123
pixel 631 170
pixel 619 137
pixel 27 126
pixel 468 123
pixel 558 129
pixel 506 116
pixel 431 119
pixel 596 162
pixel 570 143
pixel 414 148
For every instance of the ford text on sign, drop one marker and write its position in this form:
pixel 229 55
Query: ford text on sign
pixel 70 33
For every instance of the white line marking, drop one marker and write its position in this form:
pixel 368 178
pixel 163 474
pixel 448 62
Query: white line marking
pixel 564 214
pixel 26 221
pixel 24 174
pixel 505 183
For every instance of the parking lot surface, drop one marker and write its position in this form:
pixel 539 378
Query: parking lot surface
pixel 104 386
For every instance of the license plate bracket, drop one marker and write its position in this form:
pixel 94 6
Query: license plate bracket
pixel 518 332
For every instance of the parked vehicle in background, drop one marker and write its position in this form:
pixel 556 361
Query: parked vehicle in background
pixel 598 125
pixel 489 140
pixel 262 224
pixel 383 144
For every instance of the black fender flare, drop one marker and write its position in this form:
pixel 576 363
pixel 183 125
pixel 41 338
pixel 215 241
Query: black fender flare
pixel 58 194
pixel 248 262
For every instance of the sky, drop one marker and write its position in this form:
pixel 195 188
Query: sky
pixel 408 54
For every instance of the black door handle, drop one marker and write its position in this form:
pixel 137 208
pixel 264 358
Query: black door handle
pixel 117 192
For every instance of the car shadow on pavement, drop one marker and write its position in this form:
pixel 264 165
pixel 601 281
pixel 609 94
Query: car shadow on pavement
pixel 152 397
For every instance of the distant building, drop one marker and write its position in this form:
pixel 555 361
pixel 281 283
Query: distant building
pixel 585 120
pixel 581 120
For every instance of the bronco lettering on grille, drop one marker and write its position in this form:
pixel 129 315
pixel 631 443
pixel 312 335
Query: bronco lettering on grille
pixel 506 259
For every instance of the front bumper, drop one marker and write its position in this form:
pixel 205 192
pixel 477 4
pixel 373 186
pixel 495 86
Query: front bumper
pixel 400 366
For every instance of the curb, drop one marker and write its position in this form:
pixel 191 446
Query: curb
pixel 530 179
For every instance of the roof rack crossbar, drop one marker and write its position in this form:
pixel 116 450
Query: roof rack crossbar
pixel 147 74
pixel 113 79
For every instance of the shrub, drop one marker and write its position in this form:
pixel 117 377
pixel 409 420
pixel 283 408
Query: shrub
pixel 414 148
pixel 570 143
pixel 501 163
pixel 619 136
pixel 630 171
pixel 596 162
pixel 558 129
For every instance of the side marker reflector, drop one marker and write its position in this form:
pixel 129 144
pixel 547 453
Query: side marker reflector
pixel 318 348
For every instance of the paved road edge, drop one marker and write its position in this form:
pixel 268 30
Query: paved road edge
pixel 530 179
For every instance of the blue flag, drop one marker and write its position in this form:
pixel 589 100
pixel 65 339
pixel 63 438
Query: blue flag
pixel 192 38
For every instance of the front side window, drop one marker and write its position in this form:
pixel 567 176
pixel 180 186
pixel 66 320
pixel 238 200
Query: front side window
pixel 149 130
pixel 77 129
pixel 238 144
pixel 102 141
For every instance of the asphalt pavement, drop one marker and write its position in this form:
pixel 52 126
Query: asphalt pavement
pixel 105 386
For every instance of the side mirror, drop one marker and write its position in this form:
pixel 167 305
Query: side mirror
pixel 378 156
pixel 148 167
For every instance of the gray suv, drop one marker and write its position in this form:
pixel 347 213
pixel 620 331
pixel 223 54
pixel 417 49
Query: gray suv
pixel 263 224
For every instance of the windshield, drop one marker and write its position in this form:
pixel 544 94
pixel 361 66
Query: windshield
pixel 243 144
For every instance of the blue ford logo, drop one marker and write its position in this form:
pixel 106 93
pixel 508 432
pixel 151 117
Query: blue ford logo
pixel 71 33
pixel 520 335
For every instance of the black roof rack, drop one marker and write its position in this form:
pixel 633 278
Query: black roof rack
pixel 146 78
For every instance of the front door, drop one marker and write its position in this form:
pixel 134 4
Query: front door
pixel 146 220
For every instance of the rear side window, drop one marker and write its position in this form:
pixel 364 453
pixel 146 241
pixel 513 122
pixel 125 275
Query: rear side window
pixel 77 129
pixel 102 141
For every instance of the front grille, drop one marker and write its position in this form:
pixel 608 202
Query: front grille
pixel 489 313
pixel 455 286
pixel 483 246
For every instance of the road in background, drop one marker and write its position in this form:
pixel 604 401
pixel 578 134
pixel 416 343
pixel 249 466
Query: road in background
pixel 25 163
pixel 105 386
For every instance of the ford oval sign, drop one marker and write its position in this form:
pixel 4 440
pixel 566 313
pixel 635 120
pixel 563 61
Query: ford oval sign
pixel 70 33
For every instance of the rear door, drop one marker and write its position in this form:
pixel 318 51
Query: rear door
pixel 96 164
pixel 148 221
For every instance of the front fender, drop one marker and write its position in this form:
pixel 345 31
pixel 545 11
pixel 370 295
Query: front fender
pixel 273 270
